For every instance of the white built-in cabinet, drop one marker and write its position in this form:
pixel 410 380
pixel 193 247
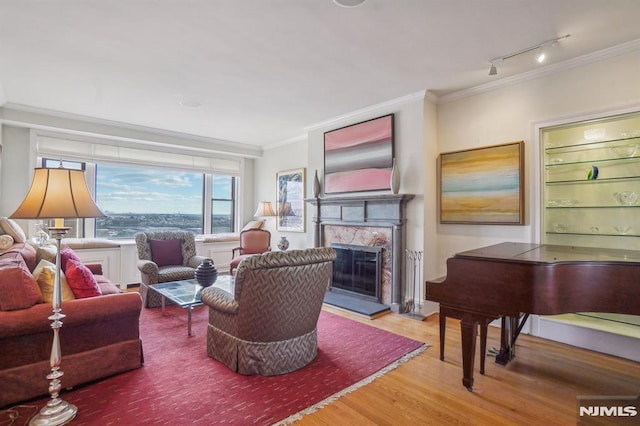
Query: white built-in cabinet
pixel 591 198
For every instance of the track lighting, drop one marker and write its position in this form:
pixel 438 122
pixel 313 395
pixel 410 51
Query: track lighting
pixel 540 55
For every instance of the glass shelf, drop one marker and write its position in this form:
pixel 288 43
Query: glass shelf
pixel 592 234
pixel 552 165
pixel 593 181
pixel 593 207
pixel 586 145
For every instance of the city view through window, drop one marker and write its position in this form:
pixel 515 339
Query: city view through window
pixel 139 199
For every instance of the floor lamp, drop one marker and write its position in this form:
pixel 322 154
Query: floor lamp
pixel 57 194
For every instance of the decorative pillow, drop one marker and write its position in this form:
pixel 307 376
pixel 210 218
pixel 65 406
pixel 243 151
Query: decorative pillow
pixel 12 228
pixel 45 274
pixel 46 252
pixel 18 288
pixel 6 242
pixel 81 280
pixel 254 224
pixel 166 252
pixel 67 254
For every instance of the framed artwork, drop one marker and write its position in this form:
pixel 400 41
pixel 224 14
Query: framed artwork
pixel 290 193
pixel 483 185
pixel 359 157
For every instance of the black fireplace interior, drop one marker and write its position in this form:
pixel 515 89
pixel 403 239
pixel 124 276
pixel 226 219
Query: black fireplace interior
pixel 357 270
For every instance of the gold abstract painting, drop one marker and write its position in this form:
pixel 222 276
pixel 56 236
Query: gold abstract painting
pixel 483 185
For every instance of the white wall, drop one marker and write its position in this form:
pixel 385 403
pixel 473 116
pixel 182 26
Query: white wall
pixel 510 114
pixel 274 160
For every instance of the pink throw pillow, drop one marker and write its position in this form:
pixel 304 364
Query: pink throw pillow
pixel 18 288
pixel 67 254
pixel 166 252
pixel 82 282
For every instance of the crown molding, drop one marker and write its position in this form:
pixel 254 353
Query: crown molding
pixel 412 97
pixel 295 139
pixel 43 119
pixel 611 52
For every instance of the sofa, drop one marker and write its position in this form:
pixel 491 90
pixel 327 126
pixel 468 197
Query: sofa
pixel 268 326
pixel 100 336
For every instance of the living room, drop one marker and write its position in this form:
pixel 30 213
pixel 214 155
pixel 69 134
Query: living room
pixel 597 84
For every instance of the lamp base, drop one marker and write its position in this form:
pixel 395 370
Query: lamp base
pixel 56 412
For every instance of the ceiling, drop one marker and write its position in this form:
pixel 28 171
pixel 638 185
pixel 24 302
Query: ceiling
pixel 260 72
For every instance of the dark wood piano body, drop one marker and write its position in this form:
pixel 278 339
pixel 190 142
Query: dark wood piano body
pixel 509 279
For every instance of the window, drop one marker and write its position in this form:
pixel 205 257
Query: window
pixel 222 203
pixel 144 198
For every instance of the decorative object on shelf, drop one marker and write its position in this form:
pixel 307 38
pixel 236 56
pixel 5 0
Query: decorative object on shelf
pixel 592 174
pixel 290 187
pixel 359 157
pixel 283 244
pixel 57 194
pixel 626 198
pixel 206 273
pixel 560 227
pixel 625 150
pixel 483 185
pixel 316 185
pixel 395 177
pixel 622 230
pixel 594 134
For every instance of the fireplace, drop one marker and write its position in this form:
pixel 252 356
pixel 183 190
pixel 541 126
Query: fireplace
pixel 376 222
pixel 357 271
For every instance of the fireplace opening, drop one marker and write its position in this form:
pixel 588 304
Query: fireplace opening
pixel 357 271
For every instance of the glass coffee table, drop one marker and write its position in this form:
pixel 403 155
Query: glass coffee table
pixel 186 293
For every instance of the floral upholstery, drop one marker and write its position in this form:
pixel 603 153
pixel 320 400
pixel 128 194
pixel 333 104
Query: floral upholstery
pixel 152 274
pixel 269 325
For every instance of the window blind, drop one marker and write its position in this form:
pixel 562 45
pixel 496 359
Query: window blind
pixel 122 153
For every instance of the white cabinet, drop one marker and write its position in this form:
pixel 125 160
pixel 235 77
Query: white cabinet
pixel 591 198
pixel 592 183
pixel 219 251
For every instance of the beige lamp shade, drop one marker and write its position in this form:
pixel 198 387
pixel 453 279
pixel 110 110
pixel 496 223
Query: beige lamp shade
pixel 57 193
pixel 264 209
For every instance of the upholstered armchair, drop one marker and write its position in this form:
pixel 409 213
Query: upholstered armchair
pixel 252 241
pixel 162 257
pixel 268 326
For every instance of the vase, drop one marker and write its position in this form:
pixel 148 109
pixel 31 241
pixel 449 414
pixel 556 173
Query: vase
pixel 283 244
pixel 206 273
pixel 395 178
pixel 316 186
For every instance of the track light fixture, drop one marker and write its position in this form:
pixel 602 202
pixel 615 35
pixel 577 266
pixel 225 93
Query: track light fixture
pixel 540 55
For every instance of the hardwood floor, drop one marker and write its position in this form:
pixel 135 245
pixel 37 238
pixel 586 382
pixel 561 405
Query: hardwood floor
pixel 539 387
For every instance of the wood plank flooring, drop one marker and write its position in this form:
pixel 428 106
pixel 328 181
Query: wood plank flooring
pixel 539 387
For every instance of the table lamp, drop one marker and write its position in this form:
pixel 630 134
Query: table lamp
pixel 57 193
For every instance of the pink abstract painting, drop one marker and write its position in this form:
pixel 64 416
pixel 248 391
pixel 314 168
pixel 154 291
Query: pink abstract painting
pixel 359 157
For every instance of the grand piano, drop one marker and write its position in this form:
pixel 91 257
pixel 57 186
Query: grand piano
pixel 509 281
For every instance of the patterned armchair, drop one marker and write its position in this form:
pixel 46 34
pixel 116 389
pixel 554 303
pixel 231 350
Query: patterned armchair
pixel 269 325
pixel 162 257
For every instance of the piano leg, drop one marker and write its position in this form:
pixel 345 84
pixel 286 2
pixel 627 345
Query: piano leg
pixel 443 328
pixel 483 343
pixel 469 328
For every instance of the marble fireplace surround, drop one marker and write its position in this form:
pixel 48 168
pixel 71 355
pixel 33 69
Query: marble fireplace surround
pixel 371 220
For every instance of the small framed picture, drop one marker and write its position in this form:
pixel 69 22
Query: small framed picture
pixel 290 193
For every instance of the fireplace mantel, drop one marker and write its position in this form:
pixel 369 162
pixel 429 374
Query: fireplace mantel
pixel 383 210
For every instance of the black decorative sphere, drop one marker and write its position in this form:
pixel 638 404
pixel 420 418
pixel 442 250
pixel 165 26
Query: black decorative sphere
pixel 206 273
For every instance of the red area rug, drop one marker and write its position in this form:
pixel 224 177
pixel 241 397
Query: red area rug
pixel 179 384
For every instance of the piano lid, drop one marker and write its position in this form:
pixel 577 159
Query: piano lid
pixel 547 253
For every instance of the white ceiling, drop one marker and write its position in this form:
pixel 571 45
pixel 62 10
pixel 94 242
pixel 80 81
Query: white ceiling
pixel 264 70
